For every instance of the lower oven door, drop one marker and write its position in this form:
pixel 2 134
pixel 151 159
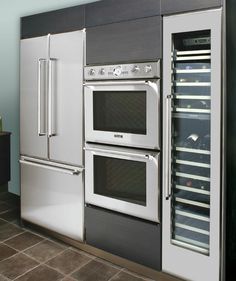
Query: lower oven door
pixel 123 113
pixel 123 180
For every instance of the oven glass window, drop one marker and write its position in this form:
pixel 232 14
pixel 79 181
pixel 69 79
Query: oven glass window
pixel 120 111
pixel 120 179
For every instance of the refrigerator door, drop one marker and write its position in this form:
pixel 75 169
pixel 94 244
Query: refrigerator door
pixel 192 154
pixel 65 112
pixel 53 197
pixel 33 95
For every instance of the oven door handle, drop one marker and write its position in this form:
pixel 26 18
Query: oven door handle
pixel 114 152
pixel 119 83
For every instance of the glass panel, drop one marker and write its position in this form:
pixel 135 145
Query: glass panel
pixel 191 114
pixel 120 111
pixel 120 179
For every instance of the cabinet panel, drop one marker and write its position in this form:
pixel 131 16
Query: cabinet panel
pixel 177 6
pixel 136 40
pixel 110 11
pixel 127 237
pixel 63 20
pixel 4 157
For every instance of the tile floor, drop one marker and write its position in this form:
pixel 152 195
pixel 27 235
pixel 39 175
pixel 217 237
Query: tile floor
pixel 29 256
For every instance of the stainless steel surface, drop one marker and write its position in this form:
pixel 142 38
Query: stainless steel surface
pixel 123 71
pixel 150 210
pixel 149 140
pixel 31 50
pixel 177 254
pixel 53 199
pixel 41 107
pixel 66 50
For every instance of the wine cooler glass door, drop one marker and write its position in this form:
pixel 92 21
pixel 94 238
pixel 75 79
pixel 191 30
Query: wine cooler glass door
pixel 192 133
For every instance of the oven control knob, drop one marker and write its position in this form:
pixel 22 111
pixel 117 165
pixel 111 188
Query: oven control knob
pixel 148 68
pixel 117 71
pixel 136 69
pixel 91 72
pixel 102 71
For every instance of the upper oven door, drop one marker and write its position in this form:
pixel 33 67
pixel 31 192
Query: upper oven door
pixel 123 113
pixel 123 180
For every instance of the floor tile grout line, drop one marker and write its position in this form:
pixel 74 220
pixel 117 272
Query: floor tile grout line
pixel 22 251
pixel 4 240
pixel 115 275
pixel 26 272
pixel 78 268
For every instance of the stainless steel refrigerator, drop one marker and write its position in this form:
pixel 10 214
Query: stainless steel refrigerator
pixel 51 132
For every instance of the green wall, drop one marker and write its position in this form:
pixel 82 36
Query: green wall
pixel 10 13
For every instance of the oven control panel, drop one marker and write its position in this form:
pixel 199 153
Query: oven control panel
pixel 123 71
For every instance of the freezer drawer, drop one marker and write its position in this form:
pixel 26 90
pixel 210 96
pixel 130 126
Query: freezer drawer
pixel 53 198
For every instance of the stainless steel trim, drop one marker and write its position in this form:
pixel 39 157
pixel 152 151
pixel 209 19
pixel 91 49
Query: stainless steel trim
pixel 51 163
pixel 192 150
pixel 66 171
pixel 198 247
pixel 193 216
pixel 195 52
pixel 192 110
pixel 142 156
pixel 168 147
pixel 191 228
pixel 40 133
pixel 188 97
pixel 192 58
pixel 190 71
pixel 192 189
pixel 195 177
pixel 191 202
pixel 114 83
pixel 192 84
pixel 191 163
pixel 189 246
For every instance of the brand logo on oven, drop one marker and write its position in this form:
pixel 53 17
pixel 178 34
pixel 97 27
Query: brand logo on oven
pixel 118 136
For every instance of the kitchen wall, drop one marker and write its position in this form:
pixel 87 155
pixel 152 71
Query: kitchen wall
pixel 10 13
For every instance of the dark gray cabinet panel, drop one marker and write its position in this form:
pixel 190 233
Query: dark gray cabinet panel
pixel 4 157
pixel 58 21
pixel 130 41
pixel 127 237
pixel 176 6
pixel 110 11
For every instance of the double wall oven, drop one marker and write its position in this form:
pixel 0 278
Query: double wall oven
pixel 122 133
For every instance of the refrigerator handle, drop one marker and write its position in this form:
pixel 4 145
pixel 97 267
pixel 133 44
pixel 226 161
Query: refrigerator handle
pixel 51 112
pixel 53 168
pixel 41 117
pixel 168 147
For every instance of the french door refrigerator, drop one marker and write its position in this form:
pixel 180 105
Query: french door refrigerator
pixel 51 132
pixel 192 145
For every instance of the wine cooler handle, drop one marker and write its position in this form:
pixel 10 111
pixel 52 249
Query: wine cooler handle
pixel 168 149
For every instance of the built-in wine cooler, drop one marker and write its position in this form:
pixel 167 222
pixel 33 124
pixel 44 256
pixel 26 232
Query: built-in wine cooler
pixel 192 141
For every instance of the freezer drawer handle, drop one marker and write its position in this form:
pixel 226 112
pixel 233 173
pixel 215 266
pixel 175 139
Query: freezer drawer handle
pixel 57 169
pixel 40 115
